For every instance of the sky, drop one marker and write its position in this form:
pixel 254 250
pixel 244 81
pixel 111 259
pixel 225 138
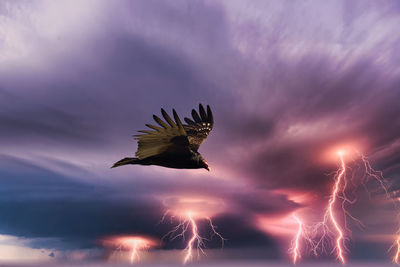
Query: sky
pixel 289 83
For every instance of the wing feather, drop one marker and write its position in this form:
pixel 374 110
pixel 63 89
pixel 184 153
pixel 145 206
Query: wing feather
pixel 154 127
pixel 203 113
pixel 171 138
pixel 160 122
pixel 196 116
pixel 177 120
pixel 167 118
pixel 145 131
pixel 199 129
pixel 189 121
pixel 210 117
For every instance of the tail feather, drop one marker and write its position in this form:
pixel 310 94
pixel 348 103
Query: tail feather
pixel 125 161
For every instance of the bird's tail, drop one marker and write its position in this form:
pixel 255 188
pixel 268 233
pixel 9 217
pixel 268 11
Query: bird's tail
pixel 126 161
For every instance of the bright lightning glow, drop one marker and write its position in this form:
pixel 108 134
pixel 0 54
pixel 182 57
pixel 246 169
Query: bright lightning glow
pixel 195 237
pixel 302 234
pixel 134 244
pixel 188 223
pixel 296 246
pixel 378 176
pixel 332 216
pixel 397 254
pixel 137 245
pixel 333 230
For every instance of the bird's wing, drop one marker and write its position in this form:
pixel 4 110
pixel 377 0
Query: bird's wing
pixel 170 137
pixel 199 128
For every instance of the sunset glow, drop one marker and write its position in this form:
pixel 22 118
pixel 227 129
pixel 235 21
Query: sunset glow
pixel 134 244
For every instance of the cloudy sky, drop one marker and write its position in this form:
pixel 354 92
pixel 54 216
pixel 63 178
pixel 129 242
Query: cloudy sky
pixel 290 83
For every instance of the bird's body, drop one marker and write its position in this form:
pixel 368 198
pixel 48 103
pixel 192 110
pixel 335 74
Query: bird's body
pixel 173 145
pixel 184 161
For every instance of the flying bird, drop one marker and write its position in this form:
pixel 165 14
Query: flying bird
pixel 173 144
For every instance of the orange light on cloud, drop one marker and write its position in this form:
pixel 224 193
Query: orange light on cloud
pixel 330 234
pixel 188 211
pixel 134 244
pixel 348 149
pixel 199 207
pixel 282 226
pixel 299 197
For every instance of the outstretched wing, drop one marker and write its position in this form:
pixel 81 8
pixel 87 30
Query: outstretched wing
pixel 199 128
pixel 170 138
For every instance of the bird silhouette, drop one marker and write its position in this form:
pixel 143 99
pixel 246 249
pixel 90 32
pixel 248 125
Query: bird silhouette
pixel 173 144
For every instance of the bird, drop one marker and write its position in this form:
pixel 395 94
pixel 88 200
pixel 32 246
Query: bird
pixel 172 144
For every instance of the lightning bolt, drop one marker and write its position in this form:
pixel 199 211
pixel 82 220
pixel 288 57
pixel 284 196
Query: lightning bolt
pixel 378 176
pixel 195 238
pixel 134 244
pixel 303 233
pixel 134 252
pixel 397 245
pixel 331 213
pixel 333 229
pixel 188 223
pixel 296 246
pixel 318 236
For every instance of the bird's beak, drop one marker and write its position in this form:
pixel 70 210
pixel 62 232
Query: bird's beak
pixel 206 167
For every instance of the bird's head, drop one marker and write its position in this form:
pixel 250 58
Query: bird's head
pixel 200 161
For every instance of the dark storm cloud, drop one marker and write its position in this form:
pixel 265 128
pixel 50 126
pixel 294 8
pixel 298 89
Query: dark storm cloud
pixel 248 203
pixel 239 232
pixel 38 203
pixel 81 221
pixel 45 124
pixel 95 95
pixel 60 212
pixel 362 103
pixel 22 180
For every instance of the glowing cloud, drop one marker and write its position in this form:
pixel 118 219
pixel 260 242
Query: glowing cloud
pixel 134 244
pixel 331 231
pixel 189 212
